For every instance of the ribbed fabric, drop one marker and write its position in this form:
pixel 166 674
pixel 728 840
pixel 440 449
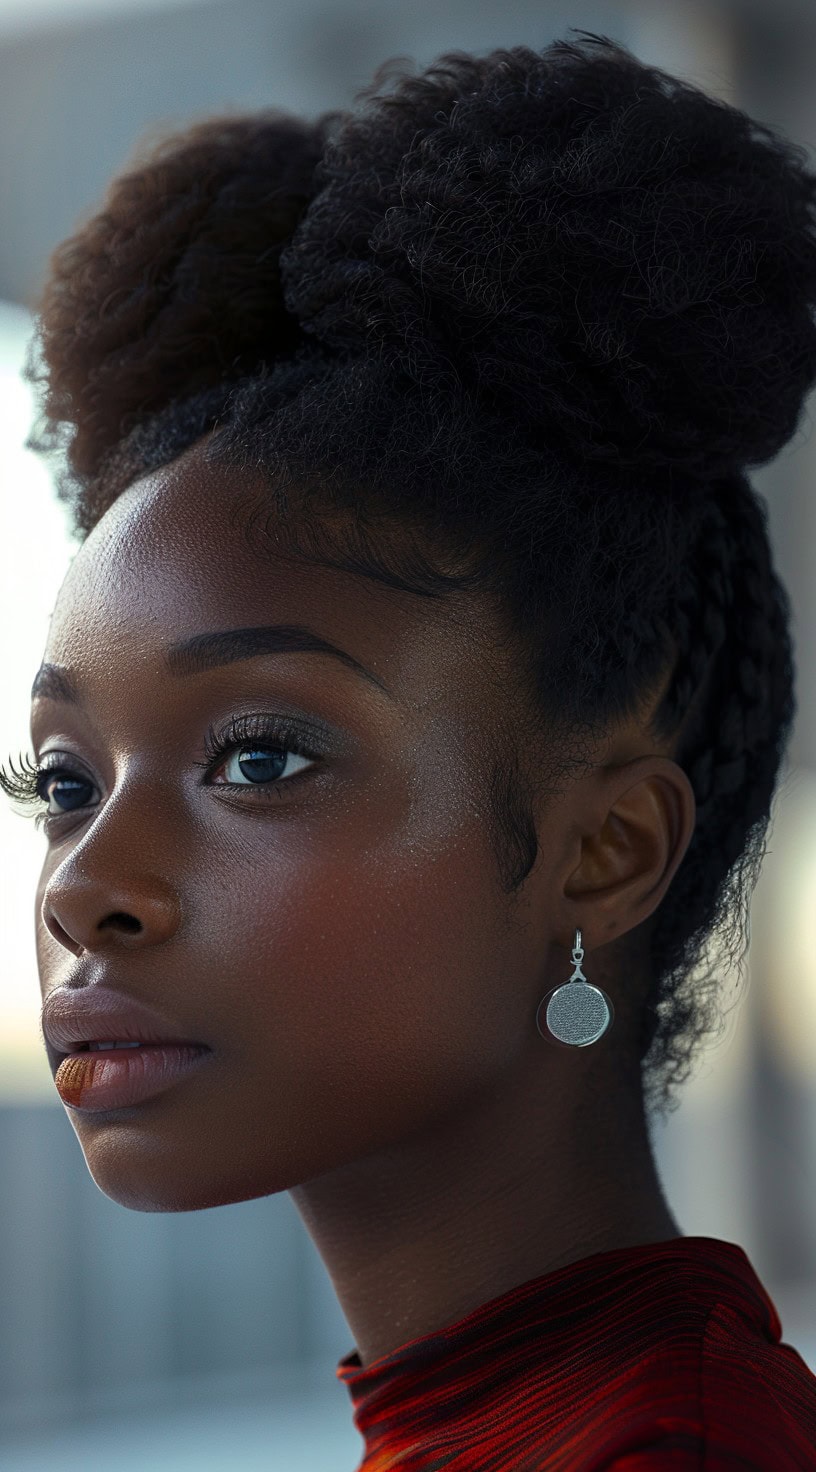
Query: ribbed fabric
pixel 643 1359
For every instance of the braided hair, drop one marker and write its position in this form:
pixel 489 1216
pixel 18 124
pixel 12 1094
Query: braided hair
pixel 526 320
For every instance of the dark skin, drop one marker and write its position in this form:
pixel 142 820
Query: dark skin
pixel 346 947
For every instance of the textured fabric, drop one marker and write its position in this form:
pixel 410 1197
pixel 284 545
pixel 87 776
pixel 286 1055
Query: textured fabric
pixel 659 1358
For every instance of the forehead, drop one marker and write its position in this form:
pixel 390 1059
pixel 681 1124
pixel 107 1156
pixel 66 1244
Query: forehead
pixel 172 558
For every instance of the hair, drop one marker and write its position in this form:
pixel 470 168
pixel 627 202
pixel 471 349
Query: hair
pixel 519 324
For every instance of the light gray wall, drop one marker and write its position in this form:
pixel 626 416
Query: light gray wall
pixel 75 100
pixel 105 1308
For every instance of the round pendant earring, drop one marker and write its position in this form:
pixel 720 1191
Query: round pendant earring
pixel 577 1012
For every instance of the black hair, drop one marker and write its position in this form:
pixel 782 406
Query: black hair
pixel 525 320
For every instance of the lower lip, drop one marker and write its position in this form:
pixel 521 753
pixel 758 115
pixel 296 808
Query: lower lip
pixel 111 1078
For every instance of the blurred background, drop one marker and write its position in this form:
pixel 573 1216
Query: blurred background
pixel 207 1339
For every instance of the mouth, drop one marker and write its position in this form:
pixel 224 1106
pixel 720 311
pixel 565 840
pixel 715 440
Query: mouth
pixel 77 1019
pixel 56 1056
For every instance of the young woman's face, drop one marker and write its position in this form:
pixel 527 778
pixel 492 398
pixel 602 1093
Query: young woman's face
pixel 332 926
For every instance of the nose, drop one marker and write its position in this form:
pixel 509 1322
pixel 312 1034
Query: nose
pixel 86 915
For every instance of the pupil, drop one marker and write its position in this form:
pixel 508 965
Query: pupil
pixel 63 782
pixel 264 768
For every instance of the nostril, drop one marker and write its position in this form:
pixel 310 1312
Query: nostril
pixel 119 917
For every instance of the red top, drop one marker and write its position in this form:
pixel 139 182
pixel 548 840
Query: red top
pixel 643 1359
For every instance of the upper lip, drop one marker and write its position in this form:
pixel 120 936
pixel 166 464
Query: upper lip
pixel 96 1013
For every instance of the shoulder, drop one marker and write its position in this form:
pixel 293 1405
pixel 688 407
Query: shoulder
pixel 758 1396
pixel 749 1404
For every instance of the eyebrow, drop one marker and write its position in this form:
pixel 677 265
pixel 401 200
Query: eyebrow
pixel 204 651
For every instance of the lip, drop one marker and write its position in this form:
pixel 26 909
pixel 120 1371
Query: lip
pixel 74 1015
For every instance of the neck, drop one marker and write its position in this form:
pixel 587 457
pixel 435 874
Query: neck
pixel 419 1235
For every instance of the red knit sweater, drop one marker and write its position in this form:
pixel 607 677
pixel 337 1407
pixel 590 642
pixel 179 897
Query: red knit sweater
pixel 643 1359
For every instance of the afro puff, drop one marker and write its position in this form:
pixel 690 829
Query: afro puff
pixel 540 309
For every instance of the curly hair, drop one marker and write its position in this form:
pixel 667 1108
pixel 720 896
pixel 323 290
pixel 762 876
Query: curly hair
pixel 525 320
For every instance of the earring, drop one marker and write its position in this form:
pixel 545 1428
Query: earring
pixel 575 1015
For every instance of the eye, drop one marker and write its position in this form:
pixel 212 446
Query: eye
pixel 62 777
pixel 259 752
pixel 260 763
pixel 30 785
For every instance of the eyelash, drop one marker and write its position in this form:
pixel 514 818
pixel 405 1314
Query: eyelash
pixel 259 732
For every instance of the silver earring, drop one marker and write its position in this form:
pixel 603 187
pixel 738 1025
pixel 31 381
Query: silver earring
pixel 576 1015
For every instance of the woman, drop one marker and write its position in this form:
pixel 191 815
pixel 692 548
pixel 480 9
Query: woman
pixel 410 718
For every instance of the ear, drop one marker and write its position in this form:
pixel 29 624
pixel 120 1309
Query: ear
pixel 635 823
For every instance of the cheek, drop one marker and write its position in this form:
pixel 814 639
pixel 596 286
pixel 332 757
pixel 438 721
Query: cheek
pixel 375 975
